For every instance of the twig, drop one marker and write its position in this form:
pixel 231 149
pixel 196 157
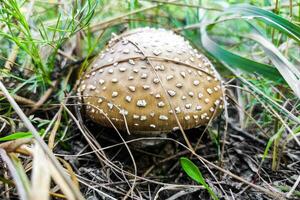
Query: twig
pixel 70 57
pixel 22 100
pixel 275 195
pixel 172 187
pixel 246 134
pixel 225 126
pixel 44 98
pixel 11 58
pixel 183 192
pixel 99 191
pixel 294 187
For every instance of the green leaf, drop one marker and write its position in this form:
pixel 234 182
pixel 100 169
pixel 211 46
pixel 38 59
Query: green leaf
pixel 193 172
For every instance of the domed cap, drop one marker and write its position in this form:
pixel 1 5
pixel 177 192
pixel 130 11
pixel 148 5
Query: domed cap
pixel 147 75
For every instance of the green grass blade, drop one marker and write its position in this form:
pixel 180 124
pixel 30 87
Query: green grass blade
pixel 269 18
pixel 288 71
pixel 16 135
pixel 284 68
pixel 269 144
pixel 236 61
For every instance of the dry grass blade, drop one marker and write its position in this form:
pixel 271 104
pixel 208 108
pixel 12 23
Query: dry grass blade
pixel 13 171
pixel 101 25
pixel 186 5
pixel 52 135
pixel 70 171
pixel 261 94
pixel 294 187
pixel 40 178
pixel 11 146
pixel 43 98
pixel 17 162
pixel 11 59
pixel 61 182
pixel 56 168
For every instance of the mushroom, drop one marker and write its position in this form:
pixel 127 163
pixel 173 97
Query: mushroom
pixel 147 76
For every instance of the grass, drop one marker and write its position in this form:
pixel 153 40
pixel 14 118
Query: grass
pixel 47 45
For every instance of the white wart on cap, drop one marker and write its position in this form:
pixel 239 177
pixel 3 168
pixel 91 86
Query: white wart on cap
pixel 146 75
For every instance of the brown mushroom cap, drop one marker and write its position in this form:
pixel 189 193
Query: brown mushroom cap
pixel 147 74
